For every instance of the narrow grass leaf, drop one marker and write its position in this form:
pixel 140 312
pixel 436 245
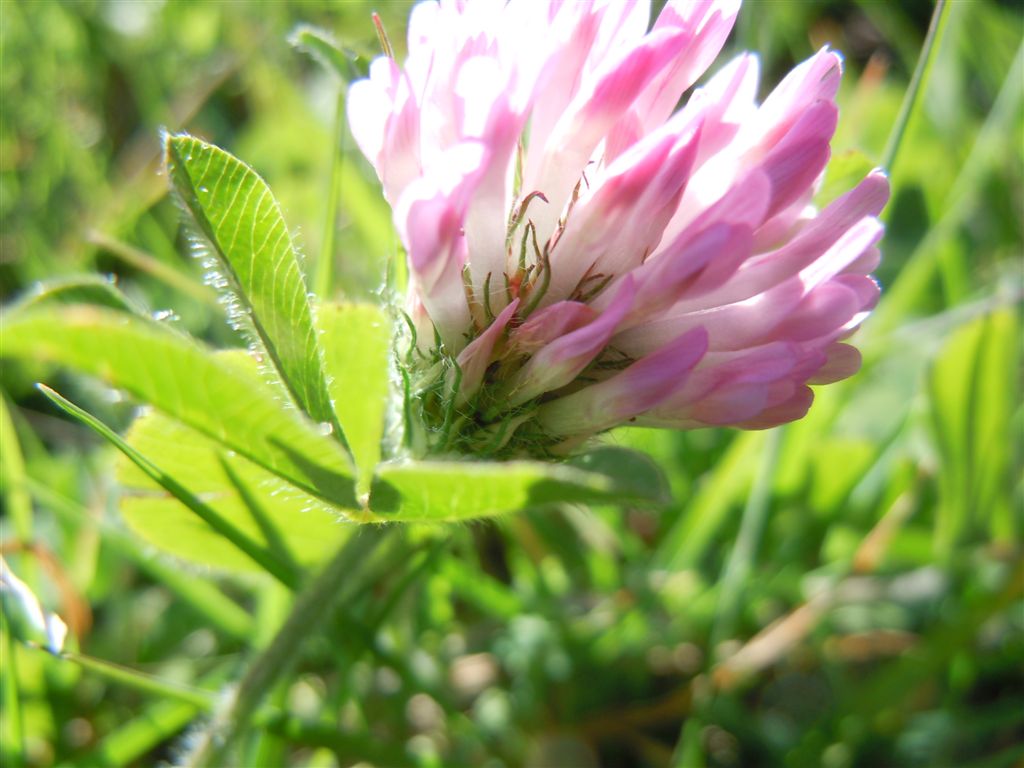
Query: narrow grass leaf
pixel 138 259
pixel 707 512
pixel 260 515
pixel 918 83
pixel 740 565
pixel 265 559
pixel 342 577
pixel 996 140
pixel 12 730
pixel 141 682
pixel 485 593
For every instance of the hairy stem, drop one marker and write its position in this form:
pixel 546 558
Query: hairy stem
pixel 313 605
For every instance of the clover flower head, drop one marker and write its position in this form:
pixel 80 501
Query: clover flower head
pixel 582 251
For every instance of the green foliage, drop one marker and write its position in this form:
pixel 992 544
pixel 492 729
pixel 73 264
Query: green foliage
pixel 241 223
pixel 436 491
pixel 357 340
pixel 276 515
pixel 226 402
pixel 973 392
pixel 846 591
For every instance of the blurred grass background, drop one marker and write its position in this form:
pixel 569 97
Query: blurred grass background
pixel 845 591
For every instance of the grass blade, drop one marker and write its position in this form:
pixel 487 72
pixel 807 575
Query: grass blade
pixel 334 585
pixel 922 72
pixel 266 560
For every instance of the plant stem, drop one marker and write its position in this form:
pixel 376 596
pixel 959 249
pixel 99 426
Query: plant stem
pixel 140 681
pixel 313 605
pixel 994 140
pixel 912 98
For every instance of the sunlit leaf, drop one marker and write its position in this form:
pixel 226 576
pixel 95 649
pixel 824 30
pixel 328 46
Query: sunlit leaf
pixel 357 348
pixel 280 568
pixel 242 224
pixel 307 529
pixel 437 491
pixel 228 403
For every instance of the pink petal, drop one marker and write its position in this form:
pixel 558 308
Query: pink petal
pixel 842 362
pixel 558 363
pixel 730 405
pixel 589 119
pixel 622 27
pixel 546 325
pixel 730 327
pixel 497 125
pixel 866 263
pixel 865 288
pixel 707 25
pixel 385 124
pixel 429 219
pixel 614 226
pixel 800 157
pixel 761 364
pixel 794 408
pixel 638 388
pixel 816 79
pixel 627 132
pixel 475 358
pixel 727 101
pixel 855 241
pixel 664 279
pixel 736 384
pixel 574 28
pixel 827 246
pixel 825 309
pixel 785 225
